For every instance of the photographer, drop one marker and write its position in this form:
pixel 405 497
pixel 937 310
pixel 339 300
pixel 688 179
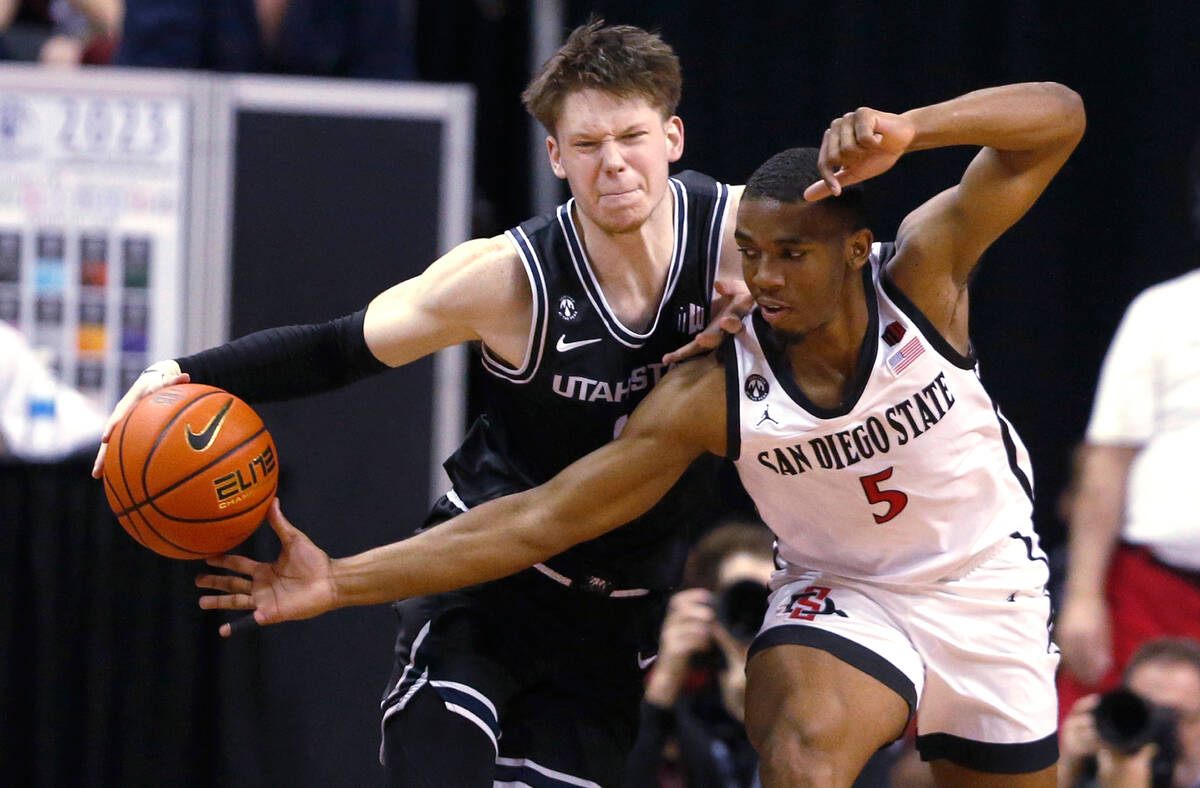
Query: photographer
pixel 691 728
pixel 1145 734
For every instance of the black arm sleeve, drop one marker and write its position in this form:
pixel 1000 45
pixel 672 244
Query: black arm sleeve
pixel 288 362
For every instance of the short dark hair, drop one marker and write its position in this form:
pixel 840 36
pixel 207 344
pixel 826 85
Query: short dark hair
pixel 1174 651
pixel 704 561
pixel 623 60
pixel 786 175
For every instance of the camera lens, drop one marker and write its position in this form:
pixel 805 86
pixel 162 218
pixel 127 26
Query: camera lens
pixel 1124 720
pixel 741 607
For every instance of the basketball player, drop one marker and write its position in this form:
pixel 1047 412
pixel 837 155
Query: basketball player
pixel 537 678
pixel 910 579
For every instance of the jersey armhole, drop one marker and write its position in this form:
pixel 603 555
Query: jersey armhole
pixel 727 357
pixel 538 319
pixel 885 252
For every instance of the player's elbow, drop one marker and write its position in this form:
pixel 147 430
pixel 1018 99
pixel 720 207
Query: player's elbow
pixel 1071 116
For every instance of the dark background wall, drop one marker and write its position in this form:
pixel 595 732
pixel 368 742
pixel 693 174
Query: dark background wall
pixel 112 677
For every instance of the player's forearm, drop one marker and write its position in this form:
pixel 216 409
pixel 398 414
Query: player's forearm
pixel 489 542
pixel 287 362
pixel 1021 117
pixel 1097 515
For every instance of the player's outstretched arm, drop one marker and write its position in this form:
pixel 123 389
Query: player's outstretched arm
pixel 683 417
pixel 476 291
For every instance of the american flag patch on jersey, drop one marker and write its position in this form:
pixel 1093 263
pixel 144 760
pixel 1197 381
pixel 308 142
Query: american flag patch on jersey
pixel 899 361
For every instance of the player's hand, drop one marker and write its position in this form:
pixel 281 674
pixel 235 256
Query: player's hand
pixel 298 585
pixel 156 376
pixel 733 302
pixel 1084 635
pixel 857 146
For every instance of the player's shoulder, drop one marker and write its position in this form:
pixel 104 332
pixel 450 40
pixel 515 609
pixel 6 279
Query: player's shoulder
pixel 486 254
pixel 699 182
pixel 1181 291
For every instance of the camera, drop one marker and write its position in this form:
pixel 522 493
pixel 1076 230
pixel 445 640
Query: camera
pixel 1126 722
pixel 740 608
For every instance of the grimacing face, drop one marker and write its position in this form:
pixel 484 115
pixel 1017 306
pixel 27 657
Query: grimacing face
pixel 615 153
pixel 796 258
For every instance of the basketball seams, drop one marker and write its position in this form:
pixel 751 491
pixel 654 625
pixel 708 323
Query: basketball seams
pixel 150 500
pixel 152 526
pixel 166 428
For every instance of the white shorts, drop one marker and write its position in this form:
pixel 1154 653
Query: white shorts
pixel 971 655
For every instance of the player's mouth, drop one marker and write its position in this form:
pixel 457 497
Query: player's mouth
pixel 772 310
pixel 621 196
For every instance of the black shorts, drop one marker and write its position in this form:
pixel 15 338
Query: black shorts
pixel 553 676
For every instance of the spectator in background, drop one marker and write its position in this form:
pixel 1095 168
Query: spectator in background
pixel 1133 553
pixel 692 730
pixel 41 420
pixel 1166 673
pixel 692 713
pixel 370 39
pixel 1133 560
pixel 60 32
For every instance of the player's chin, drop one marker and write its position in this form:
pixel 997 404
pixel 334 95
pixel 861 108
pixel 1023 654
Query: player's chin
pixel 624 220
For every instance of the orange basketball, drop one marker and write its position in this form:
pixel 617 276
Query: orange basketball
pixel 191 471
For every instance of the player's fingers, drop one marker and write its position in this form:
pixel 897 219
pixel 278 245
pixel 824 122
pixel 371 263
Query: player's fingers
pixel 234 563
pixel 865 125
pixel 232 584
pixel 239 625
pixel 227 602
pixel 98 464
pixel 697 346
pixel 828 161
pixel 730 324
pixel 847 139
pixel 283 529
pixel 817 191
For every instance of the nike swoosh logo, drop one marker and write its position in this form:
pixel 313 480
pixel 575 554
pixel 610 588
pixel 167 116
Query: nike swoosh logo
pixel 646 662
pixel 202 440
pixel 563 345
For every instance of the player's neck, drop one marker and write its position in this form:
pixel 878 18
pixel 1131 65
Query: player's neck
pixel 825 360
pixel 632 267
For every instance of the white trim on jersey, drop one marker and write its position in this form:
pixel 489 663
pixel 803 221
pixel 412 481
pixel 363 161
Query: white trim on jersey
pixel 591 286
pixel 544 771
pixel 539 319
pixel 714 246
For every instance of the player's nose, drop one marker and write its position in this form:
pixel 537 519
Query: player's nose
pixel 610 156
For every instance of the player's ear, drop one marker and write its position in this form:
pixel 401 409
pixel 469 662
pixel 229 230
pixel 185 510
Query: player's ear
pixel 858 247
pixel 673 131
pixel 555 155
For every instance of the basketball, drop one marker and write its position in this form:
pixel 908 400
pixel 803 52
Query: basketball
pixel 191 471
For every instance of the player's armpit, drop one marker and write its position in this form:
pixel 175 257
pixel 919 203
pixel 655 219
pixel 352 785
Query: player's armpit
pixel 477 291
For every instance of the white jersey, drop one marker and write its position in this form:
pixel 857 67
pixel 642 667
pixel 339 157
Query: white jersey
pixel 912 481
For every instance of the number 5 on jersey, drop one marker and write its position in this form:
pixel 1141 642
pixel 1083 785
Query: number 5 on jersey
pixel 895 499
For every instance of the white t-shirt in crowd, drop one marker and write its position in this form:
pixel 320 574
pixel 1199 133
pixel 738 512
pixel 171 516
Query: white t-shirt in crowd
pixel 1149 397
pixel 41 419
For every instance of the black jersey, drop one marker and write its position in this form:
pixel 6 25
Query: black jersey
pixel 584 373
